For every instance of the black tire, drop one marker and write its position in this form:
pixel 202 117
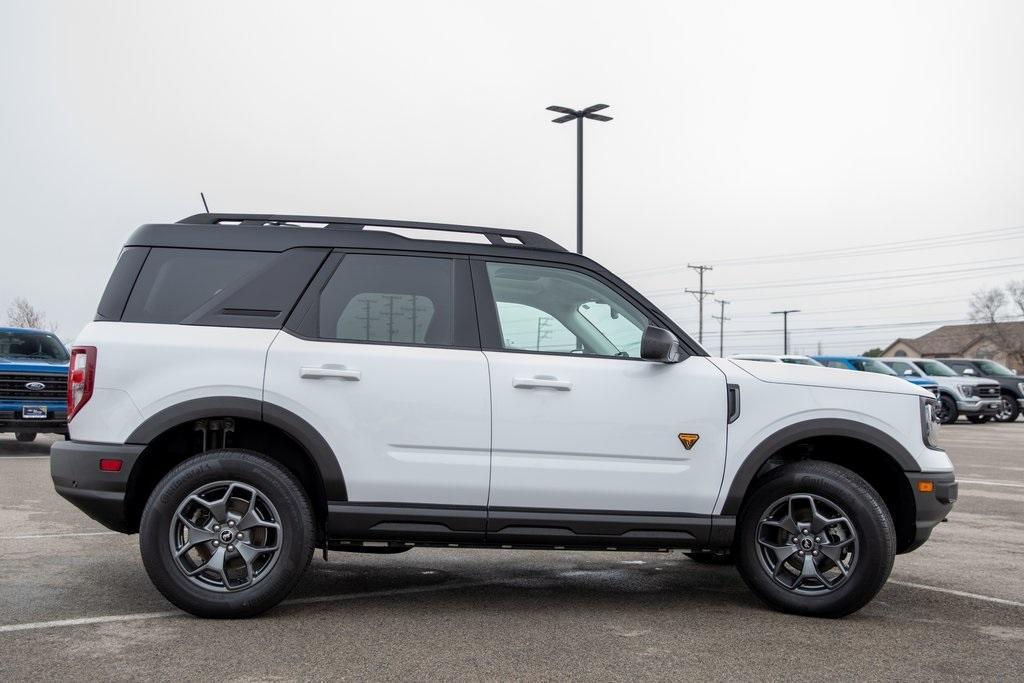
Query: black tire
pixel 979 419
pixel 25 437
pixel 857 501
pixel 947 412
pixel 276 486
pixel 1011 409
pixel 720 557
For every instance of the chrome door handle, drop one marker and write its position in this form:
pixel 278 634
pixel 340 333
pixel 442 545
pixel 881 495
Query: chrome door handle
pixel 542 382
pixel 340 373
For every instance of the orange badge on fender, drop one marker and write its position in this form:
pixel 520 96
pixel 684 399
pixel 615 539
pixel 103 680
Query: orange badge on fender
pixel 688 440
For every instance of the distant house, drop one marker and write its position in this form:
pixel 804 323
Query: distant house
pixel 1002 342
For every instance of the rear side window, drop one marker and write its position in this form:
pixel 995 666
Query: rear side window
pixel 389 299
pixel 175 282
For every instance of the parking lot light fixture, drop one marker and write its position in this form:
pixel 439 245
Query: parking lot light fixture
pixel 578 115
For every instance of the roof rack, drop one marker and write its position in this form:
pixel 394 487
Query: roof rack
pixel 495 236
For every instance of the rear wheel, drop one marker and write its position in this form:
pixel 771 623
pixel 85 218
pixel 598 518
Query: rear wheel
pixel 227 534
pixel 946 412
pixel 25 437
pixel 1009 410
pixel 815 539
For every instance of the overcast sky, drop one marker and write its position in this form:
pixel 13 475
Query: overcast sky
pixel 741 131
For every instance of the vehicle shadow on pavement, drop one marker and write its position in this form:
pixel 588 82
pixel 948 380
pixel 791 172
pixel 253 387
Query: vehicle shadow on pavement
pixel 15 449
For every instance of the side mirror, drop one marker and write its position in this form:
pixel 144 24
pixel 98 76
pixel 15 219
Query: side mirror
pixel 967 371
pixel 659 344
pixel 908 373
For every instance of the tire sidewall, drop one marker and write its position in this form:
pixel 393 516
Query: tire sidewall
pixel 952 412
pixel 868 515
pixel 249 468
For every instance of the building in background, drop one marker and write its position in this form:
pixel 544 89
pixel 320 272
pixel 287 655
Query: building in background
pixel 1001 342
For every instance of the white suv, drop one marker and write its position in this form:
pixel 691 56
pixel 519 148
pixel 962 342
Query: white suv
pixel 254 387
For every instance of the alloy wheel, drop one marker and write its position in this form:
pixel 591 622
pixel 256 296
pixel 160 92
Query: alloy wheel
pixel 807 544
pixel 1005 413
pixel 225 536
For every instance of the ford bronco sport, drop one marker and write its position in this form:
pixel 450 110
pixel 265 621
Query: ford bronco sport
pixel 257 386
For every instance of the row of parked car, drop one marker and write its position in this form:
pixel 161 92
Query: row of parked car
pixel 977 388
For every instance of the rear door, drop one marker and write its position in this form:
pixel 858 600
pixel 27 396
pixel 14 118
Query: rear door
pixel 382 359
pixel 582 427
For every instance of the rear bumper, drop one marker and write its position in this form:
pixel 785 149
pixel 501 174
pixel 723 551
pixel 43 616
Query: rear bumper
pixel 931 507
pixel 76 474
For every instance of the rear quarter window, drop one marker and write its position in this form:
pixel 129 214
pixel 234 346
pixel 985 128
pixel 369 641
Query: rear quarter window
pixel 176 282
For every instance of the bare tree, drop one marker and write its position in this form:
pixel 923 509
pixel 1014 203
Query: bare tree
pixel 23 314
pixel 1015 289
pixel 986 308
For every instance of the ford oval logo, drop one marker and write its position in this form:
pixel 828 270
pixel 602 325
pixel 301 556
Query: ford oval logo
pixel 35 386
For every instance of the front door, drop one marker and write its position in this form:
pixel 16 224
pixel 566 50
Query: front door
pixel 580 422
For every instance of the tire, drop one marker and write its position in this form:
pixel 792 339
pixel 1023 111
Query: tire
pixel 947 412
pixel 720 557
pixel 1011 409
pixel 866 533
pixel 979 419
pixel 25 437
pixel 230 500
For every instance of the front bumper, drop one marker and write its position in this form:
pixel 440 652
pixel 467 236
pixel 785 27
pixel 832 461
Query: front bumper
pixel 987 406
pixel 76 474
pixel 55 422
pixel 931 507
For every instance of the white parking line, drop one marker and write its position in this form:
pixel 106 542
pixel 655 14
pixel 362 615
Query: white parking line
pixel 78 533
pixel 139 616
pixel 962 594
pixel 982 482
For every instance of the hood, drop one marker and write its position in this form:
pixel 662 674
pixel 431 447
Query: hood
pixel 832 378
pixel 972 381
pixel 26 365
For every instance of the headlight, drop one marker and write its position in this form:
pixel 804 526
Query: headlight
pixel 966 390
pixel 929 423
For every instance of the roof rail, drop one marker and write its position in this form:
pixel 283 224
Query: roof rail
pixel 495 236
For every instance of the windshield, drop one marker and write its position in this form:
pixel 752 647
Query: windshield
pixel 935 368
pixel 990 367
pixel 872 365
pixel 800 361
pixel 25 345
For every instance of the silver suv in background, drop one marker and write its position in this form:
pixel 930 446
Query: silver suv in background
pixel 977 399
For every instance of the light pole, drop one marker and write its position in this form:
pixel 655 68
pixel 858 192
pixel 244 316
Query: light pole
pixel 579 115
pixel 785 327
pixel 721 326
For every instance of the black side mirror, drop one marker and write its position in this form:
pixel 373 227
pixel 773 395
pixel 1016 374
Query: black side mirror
pixel 661 345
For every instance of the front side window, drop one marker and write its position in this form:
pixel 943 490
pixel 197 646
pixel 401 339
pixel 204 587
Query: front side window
pixel 388 299
pixel 558 310
pixel 902 368
pixel 872 365
pixel 935 368
pixel 994 369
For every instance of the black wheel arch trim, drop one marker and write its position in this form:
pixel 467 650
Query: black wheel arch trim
pixel 291 424
pixel 795 433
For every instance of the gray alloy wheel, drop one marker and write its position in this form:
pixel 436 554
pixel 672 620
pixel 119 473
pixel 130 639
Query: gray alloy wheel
pixel 946 412
pixel 807 544
pixel 225 536
pixel 1009 410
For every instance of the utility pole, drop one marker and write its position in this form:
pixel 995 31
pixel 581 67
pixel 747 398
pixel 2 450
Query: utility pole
pixel 578 115
pixel 721 325
pixel 699 294
pixel 785 326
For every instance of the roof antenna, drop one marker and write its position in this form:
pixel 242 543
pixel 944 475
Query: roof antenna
pixel 203 197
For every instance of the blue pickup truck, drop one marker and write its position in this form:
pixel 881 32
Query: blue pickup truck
pixel 33 383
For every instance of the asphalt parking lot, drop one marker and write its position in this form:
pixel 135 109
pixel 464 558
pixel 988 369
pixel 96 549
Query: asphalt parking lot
pixel 75 604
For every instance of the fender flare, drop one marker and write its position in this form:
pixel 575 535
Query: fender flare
pixel 795 433
pixel 291 424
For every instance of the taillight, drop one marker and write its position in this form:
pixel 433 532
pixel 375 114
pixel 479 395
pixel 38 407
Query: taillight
pixel 81 375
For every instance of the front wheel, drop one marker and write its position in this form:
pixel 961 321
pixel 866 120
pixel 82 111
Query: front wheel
pixel 946 412
pixel 815 539
pixel 227 534
pixel 1009 410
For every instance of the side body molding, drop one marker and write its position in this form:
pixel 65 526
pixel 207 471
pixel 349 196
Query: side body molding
pixel 232 406
pixel 807 430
